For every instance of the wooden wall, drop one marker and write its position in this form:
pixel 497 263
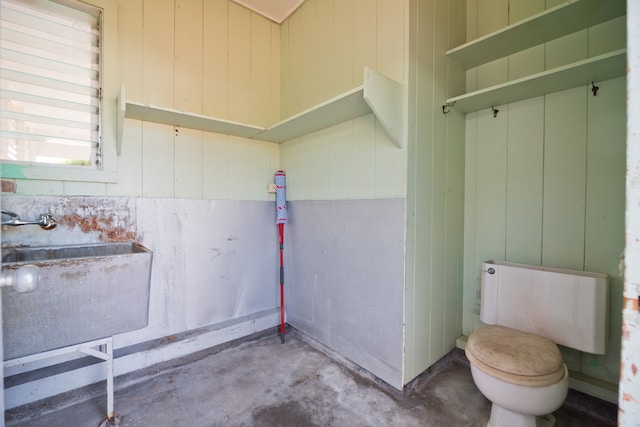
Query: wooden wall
pixel 433 264
pixel 325 47
pixel 544 180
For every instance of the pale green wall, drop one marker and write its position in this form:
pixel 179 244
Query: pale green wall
pixel 210 57
pixel 433 283
pixel 544 180
pixel 325 47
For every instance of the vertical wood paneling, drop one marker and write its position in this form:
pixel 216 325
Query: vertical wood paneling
pixel 157 160
pixel 472 20
pixel 292 99
pixel 390 176
pixel 608 36
pixel 531 60
pixel 564 183
pixel 342 171
pixel 262 170
pixel 324 48
pixel 188 55
pixel 307 40
pixel 322 164
pixel 273 114
pixel 491 170
pixel 521 9
pixel 524 181
pixel 420 194
pixel 605 201
pixel 492 16
pixel 454 229
pixel 342 45
pixel 188 163
pixel 215 57
pixel 239 74
pixel 158 52
pixel 130 47
pixel 438 215
pixel 565 50
pixel 410 303
pixel 470 224
pixel 129 170
pixel 286 81
pixel 239 172
pixel 215 153
pixel 297 159
pixel 390 41
pixel 364 38
pixel 260 62
pixel 364 156
pixel 527 62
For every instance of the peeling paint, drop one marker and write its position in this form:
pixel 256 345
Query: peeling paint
pixel 9 186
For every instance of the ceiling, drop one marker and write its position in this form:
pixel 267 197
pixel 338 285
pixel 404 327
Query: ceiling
pixel 276 10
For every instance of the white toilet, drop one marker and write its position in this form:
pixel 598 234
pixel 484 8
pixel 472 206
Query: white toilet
pixel 515 361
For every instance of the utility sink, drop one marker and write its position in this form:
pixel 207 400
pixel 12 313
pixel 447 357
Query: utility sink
pixel 86 292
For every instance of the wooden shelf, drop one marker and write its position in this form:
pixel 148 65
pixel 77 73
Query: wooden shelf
pixel 564 19
pixel 598 68
pixel 379 95
pixel 346 106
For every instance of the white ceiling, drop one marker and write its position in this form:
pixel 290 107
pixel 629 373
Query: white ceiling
pixel 276 10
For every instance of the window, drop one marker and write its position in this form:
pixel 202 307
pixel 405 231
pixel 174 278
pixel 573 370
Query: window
pixel 50 88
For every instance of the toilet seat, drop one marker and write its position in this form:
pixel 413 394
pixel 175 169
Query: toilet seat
pixel 515 357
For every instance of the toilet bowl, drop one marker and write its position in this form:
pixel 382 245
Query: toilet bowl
pixel 520 373
pixel 515 361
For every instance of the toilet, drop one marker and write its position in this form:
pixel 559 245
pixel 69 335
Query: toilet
pixel 515 360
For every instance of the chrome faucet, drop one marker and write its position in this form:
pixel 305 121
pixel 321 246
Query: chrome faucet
pixel 46 221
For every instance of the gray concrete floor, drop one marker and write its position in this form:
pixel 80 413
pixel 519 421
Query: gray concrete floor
pixel 261 382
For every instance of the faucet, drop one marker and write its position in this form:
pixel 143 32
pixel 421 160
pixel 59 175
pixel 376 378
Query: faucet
pixel 46 221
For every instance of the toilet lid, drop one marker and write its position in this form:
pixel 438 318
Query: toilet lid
pixel 515 357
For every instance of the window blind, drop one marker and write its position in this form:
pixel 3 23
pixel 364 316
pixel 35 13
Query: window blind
pixel 49 82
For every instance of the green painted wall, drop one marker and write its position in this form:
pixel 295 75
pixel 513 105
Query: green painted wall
pixel 435 186
pixel 544 180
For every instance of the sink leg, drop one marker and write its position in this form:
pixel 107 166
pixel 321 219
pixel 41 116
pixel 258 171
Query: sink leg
pixel 110 413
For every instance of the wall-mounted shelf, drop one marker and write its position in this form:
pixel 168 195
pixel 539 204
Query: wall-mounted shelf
pixel 598 68
pixel 564 19
pixel 379 95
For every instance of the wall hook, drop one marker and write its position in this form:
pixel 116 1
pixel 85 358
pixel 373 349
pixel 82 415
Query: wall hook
pixel 446 108
pixel 495 111
pixel 594 89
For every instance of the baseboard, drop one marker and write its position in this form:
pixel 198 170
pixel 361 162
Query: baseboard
pixel 136 357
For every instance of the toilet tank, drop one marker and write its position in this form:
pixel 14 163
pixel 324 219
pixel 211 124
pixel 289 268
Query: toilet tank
pixel 567 306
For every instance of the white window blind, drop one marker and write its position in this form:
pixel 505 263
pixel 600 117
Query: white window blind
pixel 49 82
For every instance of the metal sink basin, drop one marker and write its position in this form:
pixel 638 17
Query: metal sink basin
pixel 86 292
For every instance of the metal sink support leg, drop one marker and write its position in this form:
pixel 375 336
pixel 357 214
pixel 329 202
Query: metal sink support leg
pixel 102 349
pixel 24 279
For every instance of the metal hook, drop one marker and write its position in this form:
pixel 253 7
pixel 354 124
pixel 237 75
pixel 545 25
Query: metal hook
pixel 594 89
pixel 495 111
pixel 446 108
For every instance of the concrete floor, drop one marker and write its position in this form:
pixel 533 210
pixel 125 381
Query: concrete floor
pixel 261 382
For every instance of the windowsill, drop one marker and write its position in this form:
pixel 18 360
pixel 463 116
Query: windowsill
pixel 55 173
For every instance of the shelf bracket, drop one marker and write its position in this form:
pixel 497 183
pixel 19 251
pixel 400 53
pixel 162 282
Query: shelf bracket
pixel 385 98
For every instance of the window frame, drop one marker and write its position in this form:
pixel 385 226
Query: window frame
pixel 107 170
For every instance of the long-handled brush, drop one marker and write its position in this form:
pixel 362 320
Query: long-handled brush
pixel 281 219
